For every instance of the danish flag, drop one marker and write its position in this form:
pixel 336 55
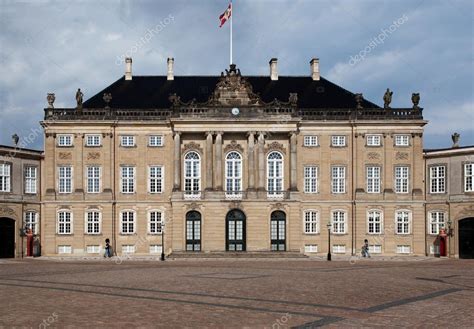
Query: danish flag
pixel 226 15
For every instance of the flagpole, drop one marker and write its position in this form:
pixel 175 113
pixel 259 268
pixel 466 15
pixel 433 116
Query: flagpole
pixel 232 14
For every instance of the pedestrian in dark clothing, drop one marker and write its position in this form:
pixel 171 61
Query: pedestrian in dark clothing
pixel 108 252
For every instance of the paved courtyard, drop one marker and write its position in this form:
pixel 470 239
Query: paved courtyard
pixel 236 293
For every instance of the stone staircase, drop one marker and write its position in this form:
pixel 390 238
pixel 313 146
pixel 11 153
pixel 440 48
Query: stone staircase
pixel 239 255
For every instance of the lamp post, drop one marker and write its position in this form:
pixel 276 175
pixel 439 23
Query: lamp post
pixel 450 229
pixel 329 240
pixel 163 242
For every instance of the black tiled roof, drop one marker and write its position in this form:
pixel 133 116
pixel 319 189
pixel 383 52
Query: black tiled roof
pixel 146 92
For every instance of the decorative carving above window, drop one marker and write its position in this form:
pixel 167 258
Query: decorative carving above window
pixel 193 206
pixel 275 146
pixel 7 212
pixel 402 156
pixel 235 205
pixel 93 156
pixel 192 146
pixel 373 156
pixel 233 146
pixel 65 155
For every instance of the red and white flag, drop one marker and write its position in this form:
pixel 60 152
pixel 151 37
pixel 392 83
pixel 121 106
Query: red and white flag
pixel 226 15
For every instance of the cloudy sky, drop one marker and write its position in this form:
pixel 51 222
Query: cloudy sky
pixel 423 46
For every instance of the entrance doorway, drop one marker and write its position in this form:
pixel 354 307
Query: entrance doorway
pixel 7 237
pixel 193 231
pixel 278 231
pixel 466 238
pixel 235 231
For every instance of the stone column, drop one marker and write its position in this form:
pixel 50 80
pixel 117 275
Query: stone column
pixel 293 179
pixel 261 161
pixel 209 160
pixel 177 161
pixel 251 158
pixel 218 162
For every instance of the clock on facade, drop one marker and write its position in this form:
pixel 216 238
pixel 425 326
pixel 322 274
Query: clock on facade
pixel 235 111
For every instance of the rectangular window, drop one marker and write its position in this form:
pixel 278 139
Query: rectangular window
pixel 93 140
pixel 373 140
pixel 155 249
pixel 373 179
pixel 403 249
pixel 338 222
pixel 338 141
pixel 127 141
pixel 311 225
pixel 339 248
pixel 30 179
pixel 401 179
pixel 311 248
pixel 155 179
pixel 338 179
pixel 403 222
pixel 64 222
pixel 155 141
pixel 31 221
pixel 93 249
pixel 310 179
pixel 438 179
pixel 65 179
pixel 128 249
pixel 436 221
pixel 64 140
pixel 127 225
pixel 310 141
pixel 128 179
pixel 64 249
pixel 374 221
pixel 93 222
pixel 468 176
pixel 375 249
pixel 5 177
pixel 402 140
pixel 155 223
pixel 93 179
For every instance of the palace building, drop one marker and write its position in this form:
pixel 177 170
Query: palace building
pixel 232 163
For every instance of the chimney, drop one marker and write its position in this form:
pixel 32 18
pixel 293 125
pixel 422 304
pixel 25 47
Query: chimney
pixel 273 69
pixel 170 75
pixel 128 68
pixel 315 69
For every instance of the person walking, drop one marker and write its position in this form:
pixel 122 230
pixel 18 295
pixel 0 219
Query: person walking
pixel 365 249
pixel 108 252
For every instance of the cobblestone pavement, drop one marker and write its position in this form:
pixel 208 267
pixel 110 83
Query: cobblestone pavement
pixel 226 293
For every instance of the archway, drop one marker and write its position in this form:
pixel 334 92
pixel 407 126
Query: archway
pixel 7 237
pixel 466 238
pixel 235 231
pixel 193 231
pixel 278 231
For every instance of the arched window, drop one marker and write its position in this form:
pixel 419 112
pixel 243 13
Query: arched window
pixel 192 173
pixel 275 174
pixel 233 174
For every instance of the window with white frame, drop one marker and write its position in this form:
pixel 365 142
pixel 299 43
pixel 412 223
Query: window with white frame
pixel 374 222
pixel 31 221
pixel 155 222
pixel 402 221
pixel 192 173
pixel 64 249
pixel 375 248
pixel 128 249
pixel 93 222
pixel 93 249
pixel 437 220
pixel 65 179
pixel 338 222
pixel 275 173
pixel 468 177
pixel 310 140
pixel 338 141
pixel 402 140
pixel 127 141
pixel 155 140
pixel 155 179
pixel 31 176
pixel 127 222
pixel 403 249
pixel 311 222
pixel 233 173
pixel 93 179
pixel 438 179
pixel 127 179
pixel 401 179
pixel 338 180
pixel 64 224
pixel 311 248
pixel 5 177
pixel 310 179
pixel 339 248
pixel 373 179
pixel 155 249
pixel 93 140
pixel 64 140
pixel 373 140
